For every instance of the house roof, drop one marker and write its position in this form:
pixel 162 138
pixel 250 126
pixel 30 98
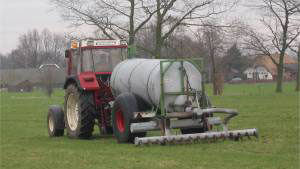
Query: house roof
pixel 24 83
pixel 291 67
pixel 264 60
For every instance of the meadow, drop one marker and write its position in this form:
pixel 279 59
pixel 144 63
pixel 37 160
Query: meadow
pixel 25 143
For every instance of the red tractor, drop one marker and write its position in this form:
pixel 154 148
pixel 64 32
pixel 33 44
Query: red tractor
pixel 150 94
pixel 88 95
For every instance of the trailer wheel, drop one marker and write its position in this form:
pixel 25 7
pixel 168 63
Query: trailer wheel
pixel 122 116
pixel 79 110
pixel 55 121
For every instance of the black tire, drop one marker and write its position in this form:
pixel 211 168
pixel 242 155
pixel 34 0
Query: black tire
pixel 55 121
pixel 122 116
pixel 84 126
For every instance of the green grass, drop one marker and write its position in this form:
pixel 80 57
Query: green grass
pixel 25 142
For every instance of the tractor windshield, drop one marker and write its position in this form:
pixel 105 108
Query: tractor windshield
pixel 102 60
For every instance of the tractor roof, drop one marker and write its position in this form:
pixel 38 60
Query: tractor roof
pixel 86 43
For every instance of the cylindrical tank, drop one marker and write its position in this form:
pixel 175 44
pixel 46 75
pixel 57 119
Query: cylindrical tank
pixel 142 77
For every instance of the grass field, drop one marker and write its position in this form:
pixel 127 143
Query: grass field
pixel 25 142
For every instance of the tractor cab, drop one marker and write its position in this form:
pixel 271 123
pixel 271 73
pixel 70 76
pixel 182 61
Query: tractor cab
pixel 97 56
pixel 88 59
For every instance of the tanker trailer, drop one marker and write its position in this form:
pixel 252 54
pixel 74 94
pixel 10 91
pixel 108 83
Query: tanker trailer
pixel 154 94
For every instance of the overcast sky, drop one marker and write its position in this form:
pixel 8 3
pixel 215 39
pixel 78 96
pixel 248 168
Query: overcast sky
pixel 19 16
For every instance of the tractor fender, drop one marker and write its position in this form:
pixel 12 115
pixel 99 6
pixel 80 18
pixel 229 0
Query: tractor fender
pixel 84 81
pixel 72 80
pixel 88 81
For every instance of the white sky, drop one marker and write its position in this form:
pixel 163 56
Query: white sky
pixel 19 16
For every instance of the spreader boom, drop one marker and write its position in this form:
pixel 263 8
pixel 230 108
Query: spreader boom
pixel 234 134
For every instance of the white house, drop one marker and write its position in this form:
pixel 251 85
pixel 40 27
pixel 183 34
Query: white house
pixel 258 73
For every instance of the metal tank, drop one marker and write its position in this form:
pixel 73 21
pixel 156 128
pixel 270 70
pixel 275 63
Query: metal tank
pixel 142 77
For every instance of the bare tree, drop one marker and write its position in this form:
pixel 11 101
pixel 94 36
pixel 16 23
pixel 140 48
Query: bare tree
pixel 12 60
pixel 213 40
pixel 30 47
pixel 52 47
pixel 281 20
pixel 119 18
pixel 146 41
pixel 114 18
pixel 171 14
pixel 296 50
pixel 298 70
pixel 36 48
pixel 181 45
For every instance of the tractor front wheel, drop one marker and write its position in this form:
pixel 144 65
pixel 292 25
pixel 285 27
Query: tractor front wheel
pixel 79 110
pixel 55 121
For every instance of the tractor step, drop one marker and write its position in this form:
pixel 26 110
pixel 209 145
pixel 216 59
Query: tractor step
pixel 234 134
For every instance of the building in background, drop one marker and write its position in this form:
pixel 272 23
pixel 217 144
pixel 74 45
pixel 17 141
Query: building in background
pixel 258 73
pixel 263 68
pixel 23 86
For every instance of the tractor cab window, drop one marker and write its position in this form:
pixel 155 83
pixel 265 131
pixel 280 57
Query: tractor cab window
pixel 102 60
pixel 74 62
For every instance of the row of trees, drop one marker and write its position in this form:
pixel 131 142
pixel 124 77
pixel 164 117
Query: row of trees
pixel 174 28
pixel 35 48
pixel 160 20
pixel 126 19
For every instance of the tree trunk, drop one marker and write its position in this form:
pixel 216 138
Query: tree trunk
pixel 214 74
pixel 131 22
pixel 280 72
pixel 131 50
pixel 298 74
pixel 158 46
pixel 158 33
pixel 279 79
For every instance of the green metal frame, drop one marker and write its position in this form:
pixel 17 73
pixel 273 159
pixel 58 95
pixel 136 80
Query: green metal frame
pixel 197 62
pixel 131 51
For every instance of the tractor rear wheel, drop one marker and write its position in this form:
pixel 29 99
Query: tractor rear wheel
pixel 79 110
pixel 122 117
pixel 55 121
